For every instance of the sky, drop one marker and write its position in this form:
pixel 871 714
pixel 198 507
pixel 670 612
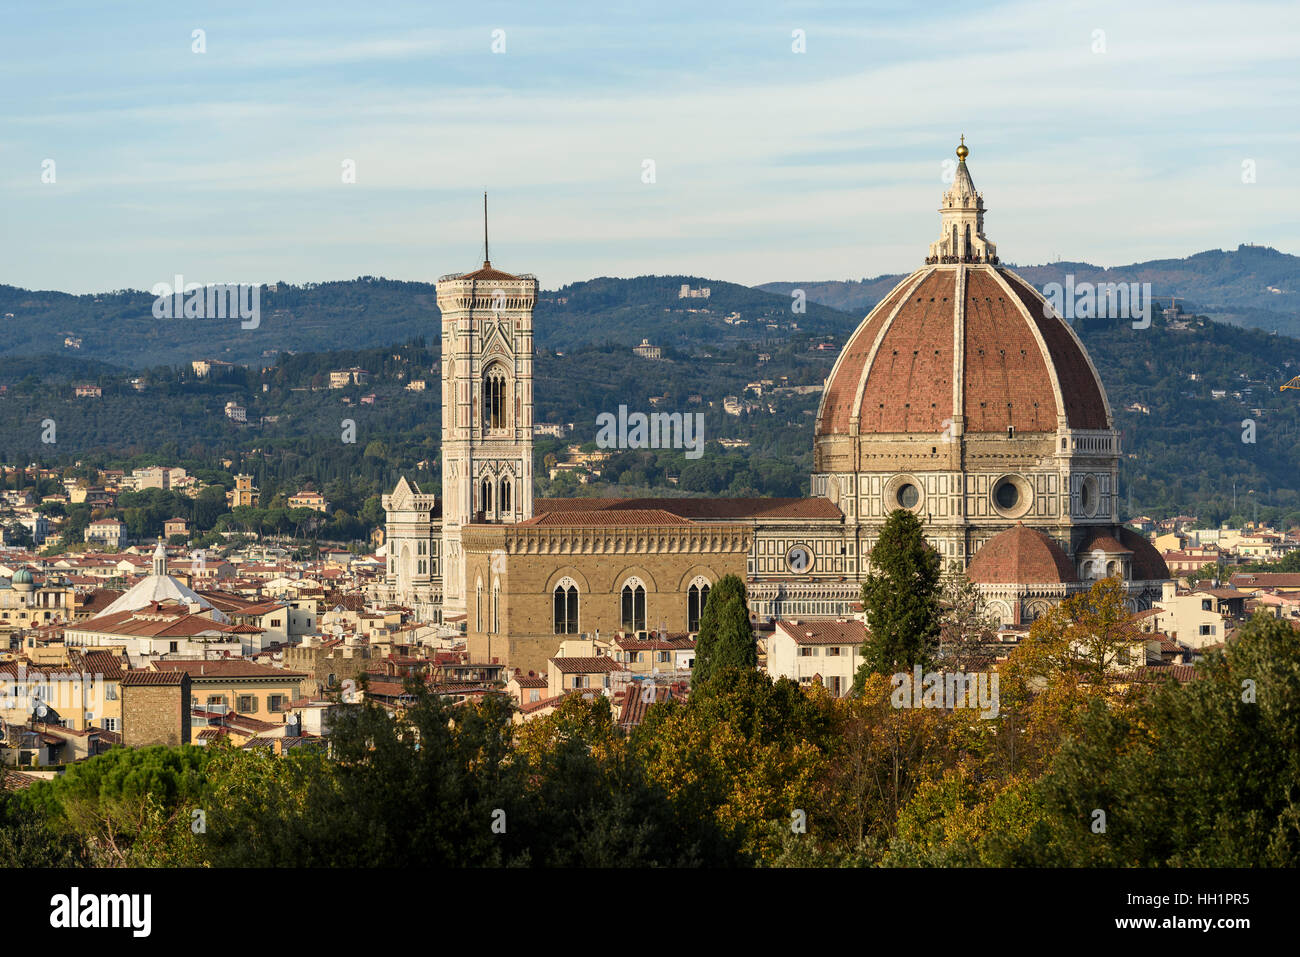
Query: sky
pixel 1104 132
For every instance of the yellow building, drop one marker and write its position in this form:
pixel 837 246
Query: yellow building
pixel 235 684
pixel 244 492
pixel 26 604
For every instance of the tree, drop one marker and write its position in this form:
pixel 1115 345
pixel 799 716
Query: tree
pixel 744 752
pixel 965 623
pixel 901 599
pixel 726 638
pixel 1090 634
pixel 128 807
pixel 1220 750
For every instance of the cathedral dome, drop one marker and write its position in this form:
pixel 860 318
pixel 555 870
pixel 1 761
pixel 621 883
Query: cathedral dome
pixel 1021 556
pixel 962 346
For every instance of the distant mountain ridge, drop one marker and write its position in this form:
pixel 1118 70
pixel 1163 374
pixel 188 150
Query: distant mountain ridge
pixel 1253 286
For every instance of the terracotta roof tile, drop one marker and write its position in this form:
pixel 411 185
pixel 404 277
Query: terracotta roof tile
pixel 1020 555
pixel 824 632
pixel 139 678
pixel 228 668
pixel 593 665
pixel 698 509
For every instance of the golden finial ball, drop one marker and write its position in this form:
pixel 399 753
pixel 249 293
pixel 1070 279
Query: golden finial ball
pixel 962 151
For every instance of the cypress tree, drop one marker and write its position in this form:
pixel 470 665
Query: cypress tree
pixel 901 599
pixel 725 639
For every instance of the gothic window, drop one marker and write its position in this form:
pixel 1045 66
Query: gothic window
pixel 478 606
pixel 696 596
pixel 505 495
pixel 494 398
pixel 633 617
pixel 485 495
pixel 566 607
pixel 496 606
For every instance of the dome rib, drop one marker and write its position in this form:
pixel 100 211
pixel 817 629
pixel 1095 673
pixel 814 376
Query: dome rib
pixel 910 362
pixel 1060 415
pixel 1088 407
pixel 842 398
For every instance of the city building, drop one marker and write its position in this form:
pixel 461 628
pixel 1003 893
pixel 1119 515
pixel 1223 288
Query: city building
pixel 342 378
pixel 647 351
pixel 823 652
pixel 309 499
pixel 106 532
pixel 244 492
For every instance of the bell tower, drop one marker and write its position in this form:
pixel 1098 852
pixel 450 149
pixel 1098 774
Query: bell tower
pixel 487 407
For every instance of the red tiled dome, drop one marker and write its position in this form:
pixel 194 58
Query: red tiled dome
pixel 1148 564
pixel 1017 363
pixel 1020 556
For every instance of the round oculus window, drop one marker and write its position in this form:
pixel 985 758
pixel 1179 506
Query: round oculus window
pixel 798 559
pixel 908 495
pixel 1007 495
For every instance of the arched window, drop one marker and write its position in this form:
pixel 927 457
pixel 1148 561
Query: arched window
pixel 478 606
pixel 505 495
pixel 485 495
pixel 566 607
pixel 696 596
pixel 496 606
pixel 494 398
pixel 633 617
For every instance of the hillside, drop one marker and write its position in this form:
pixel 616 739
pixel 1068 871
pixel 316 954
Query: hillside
pixel 1180 390
pixel 120 327
pixel 1253 286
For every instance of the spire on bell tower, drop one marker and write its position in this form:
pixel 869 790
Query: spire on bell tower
pixel 487 262
pixel 961 236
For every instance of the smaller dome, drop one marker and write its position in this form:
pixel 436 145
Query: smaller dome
pixel 1102 541
pixel 1021 556
pixel 1148 564
pixel 23 577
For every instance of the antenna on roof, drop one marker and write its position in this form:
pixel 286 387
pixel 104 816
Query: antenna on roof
pixel 486 260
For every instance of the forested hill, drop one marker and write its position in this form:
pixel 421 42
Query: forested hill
pixel 1198 400
pixel 1253 286
pixel 120 327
